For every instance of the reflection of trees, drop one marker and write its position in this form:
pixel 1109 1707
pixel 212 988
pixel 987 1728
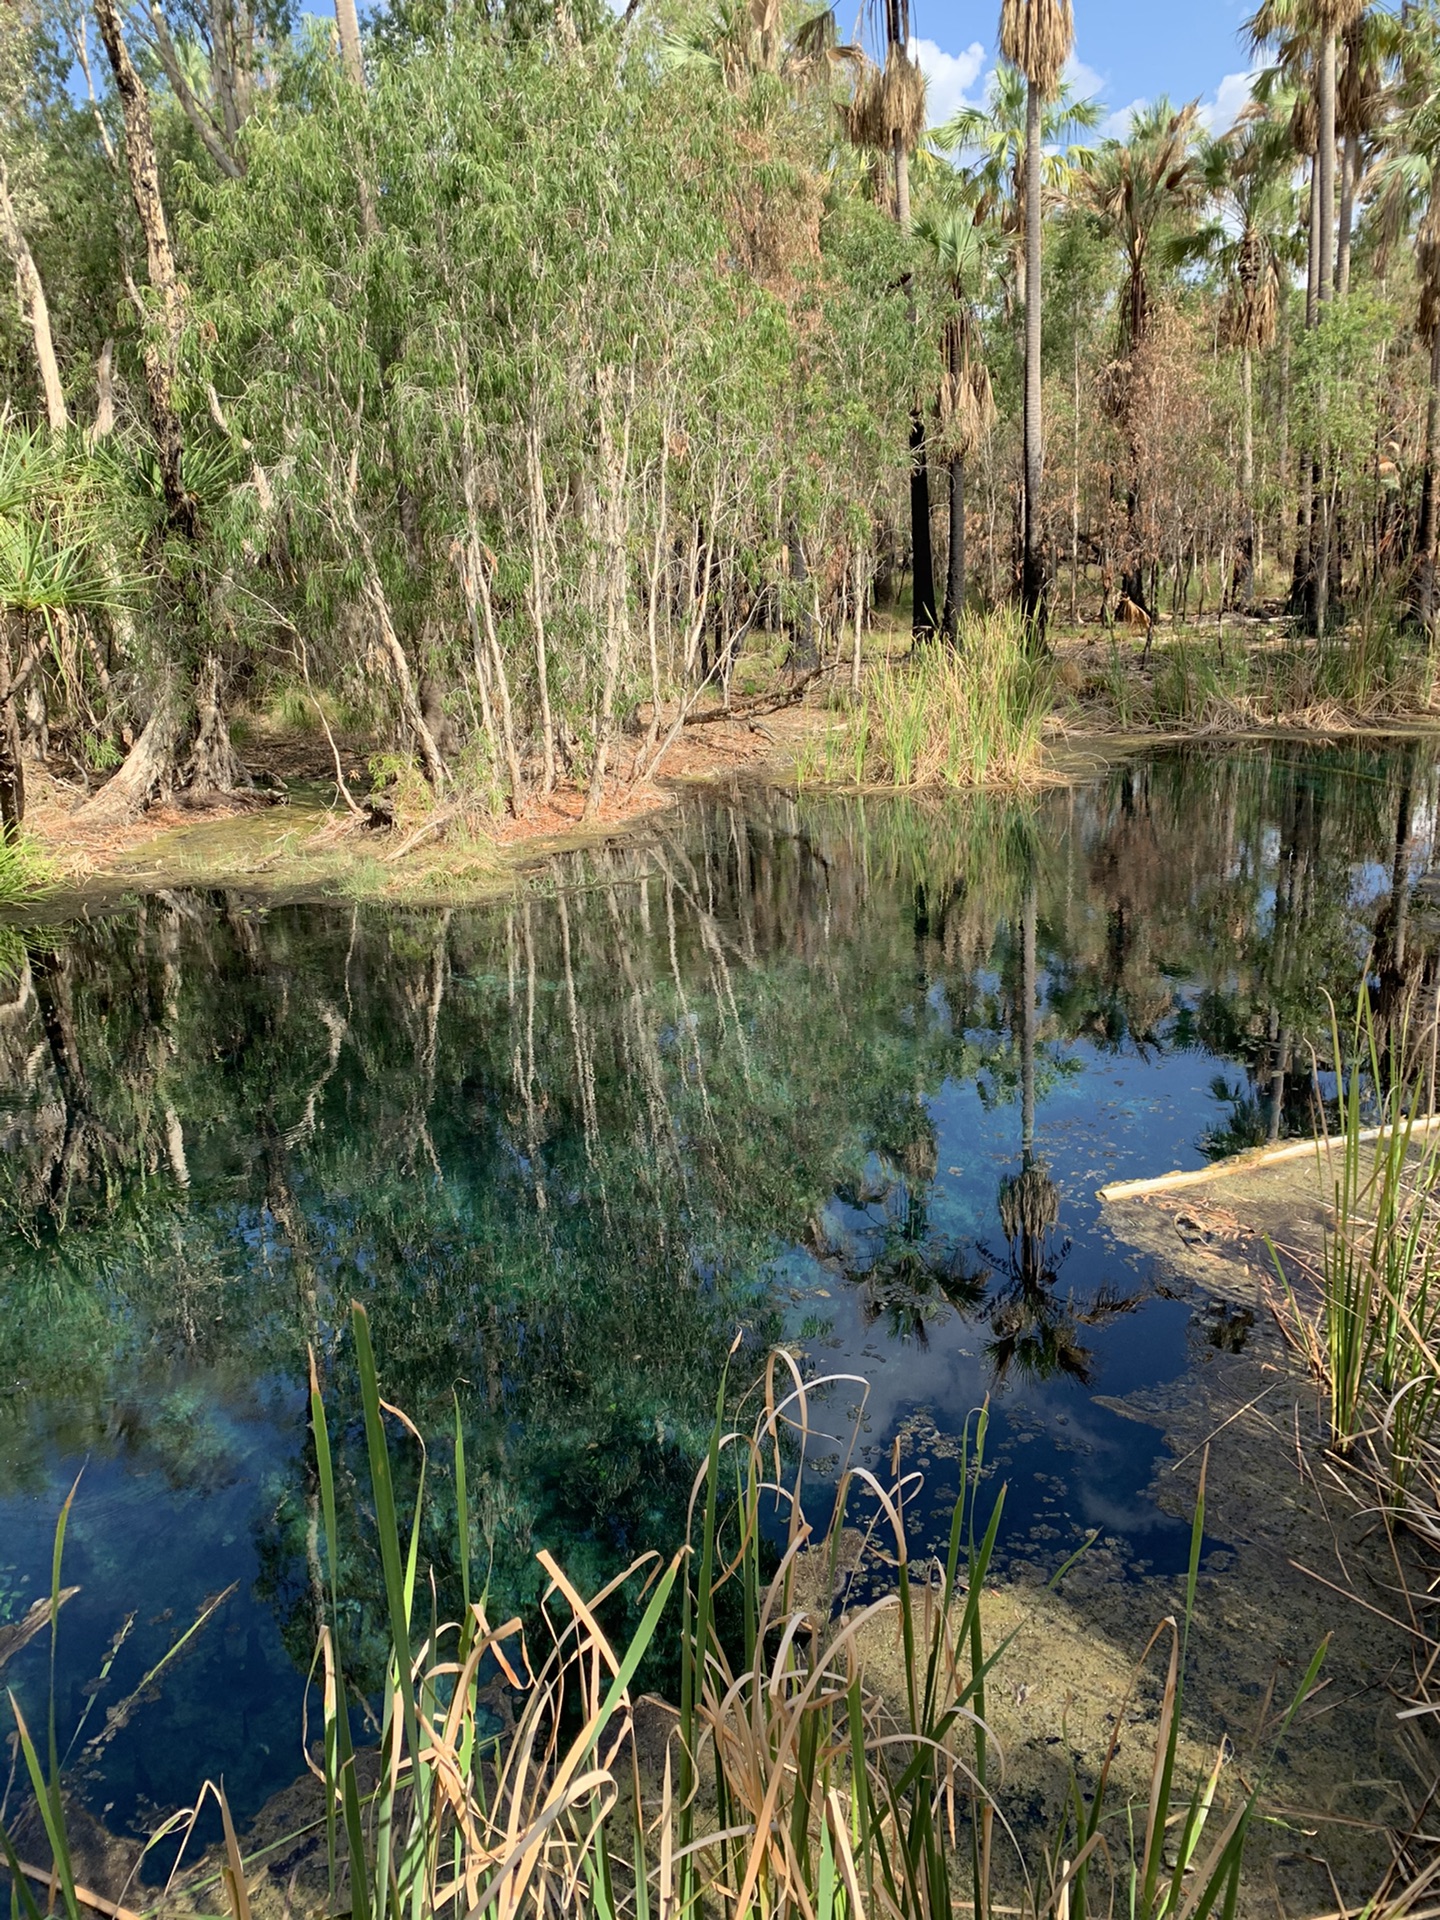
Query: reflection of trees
pixel 554 1147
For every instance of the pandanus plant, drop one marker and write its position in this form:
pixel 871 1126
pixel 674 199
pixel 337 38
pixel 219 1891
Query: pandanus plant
pixel 56 566
pixel 1036 38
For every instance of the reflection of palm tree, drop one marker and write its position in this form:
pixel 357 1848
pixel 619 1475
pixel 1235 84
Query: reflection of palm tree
pixel 1036 1338
pixel 906 1274
pixel 913 1282
pixel 1035 1332
pixel 1029 1215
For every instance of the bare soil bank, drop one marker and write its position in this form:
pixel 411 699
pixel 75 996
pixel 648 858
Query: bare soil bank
pixel 296 836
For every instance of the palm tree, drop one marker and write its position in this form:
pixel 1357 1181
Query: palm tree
pixel 1254 203
pixel 989 143
pixel 967 407
pixel 1139 191
pixel 887 114
pixel 1369 48
pixel 1036 38
pixel 1408 194
pixel 1306 34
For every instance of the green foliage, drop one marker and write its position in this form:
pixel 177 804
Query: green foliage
pixel 970 715
pixel 26 874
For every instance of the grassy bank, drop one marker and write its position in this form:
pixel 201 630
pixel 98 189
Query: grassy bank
pixel 785 1779
pixel 967 714
pixel 1368 1325
pixel 1243 677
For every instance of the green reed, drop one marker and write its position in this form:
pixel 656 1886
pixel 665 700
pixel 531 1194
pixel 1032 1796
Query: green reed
pixel 793 1787
pixel 1378 1301
pixel 968 715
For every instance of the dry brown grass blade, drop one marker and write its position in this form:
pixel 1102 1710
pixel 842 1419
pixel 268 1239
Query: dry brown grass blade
pixel 45 1877
pixel 233 1870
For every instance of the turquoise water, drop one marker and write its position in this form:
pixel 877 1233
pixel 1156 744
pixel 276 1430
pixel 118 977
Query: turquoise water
pixel 841 1074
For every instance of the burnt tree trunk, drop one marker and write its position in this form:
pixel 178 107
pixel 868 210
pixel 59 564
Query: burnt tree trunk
pixel 922 557
pixel 955 560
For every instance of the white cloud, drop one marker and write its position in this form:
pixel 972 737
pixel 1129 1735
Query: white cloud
pixel 1117 126
pixel 1232 96
pixel 949 77
pixel 1084 82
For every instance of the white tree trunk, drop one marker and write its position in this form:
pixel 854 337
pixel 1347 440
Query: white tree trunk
pixel 34 308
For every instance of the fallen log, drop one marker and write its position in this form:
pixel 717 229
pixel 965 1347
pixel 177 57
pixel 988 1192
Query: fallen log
pixel 1252 1159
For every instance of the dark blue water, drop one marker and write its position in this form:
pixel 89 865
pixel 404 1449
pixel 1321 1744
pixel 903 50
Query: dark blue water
pixel 842 1074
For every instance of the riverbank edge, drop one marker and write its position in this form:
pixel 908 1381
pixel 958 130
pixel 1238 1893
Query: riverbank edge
pixel 314 850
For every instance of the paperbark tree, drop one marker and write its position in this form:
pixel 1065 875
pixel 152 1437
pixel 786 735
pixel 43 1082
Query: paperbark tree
pixel 162 354
pixel 34 307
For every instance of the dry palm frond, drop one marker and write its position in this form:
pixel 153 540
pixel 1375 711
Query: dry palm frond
pixel 815 47
pixel 1252 305
pixel 1037 37
pixel 1029 1204
pixel 1335 16
pixel 887 105
pixel 1305 124
pixel 967 400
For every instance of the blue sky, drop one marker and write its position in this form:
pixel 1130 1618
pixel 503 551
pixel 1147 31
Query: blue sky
pixel 1126 51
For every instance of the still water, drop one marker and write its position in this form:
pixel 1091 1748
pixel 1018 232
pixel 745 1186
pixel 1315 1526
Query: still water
pixel 842 1074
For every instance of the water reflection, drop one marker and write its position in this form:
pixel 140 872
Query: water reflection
pixel 843 1072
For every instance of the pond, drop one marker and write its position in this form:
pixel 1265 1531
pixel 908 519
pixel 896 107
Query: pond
pixel 843 1074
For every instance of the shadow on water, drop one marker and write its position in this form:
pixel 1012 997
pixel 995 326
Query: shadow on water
pixel 842 1073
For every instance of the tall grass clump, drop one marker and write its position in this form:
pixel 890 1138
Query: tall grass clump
pixel 967 715
pixel 1376 1338
pixel 25 874
pixel 792 1786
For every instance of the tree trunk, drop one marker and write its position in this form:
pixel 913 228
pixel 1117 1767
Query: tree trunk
pixel 1283 452
pixel 194 111
pixel 1325 263
pixel 1426 558
pixel 1349 180
pixel 34 307
pixel 923 600
pixel 1032 585
pixel 1324 293
pixel 1302 583
pixel 214 766
pixel 858 595
pixel 12 768
pixel 1028 982
pixel 955 560
pixel 148 769
pixel 1312 265
pixel 923 622
pixel 162 357
pixel 1243 591
pixel 902 183
pixel 352 57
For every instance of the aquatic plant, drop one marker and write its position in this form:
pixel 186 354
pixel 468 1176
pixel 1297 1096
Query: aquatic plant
pixel 792 1782
pixel 1379 1314
pixel 967 715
